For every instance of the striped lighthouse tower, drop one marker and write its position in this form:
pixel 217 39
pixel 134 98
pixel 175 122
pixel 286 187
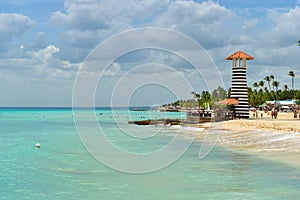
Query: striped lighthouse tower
pixel 239 82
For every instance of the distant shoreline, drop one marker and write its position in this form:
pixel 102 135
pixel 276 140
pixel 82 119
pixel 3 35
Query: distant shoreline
pixel 65 107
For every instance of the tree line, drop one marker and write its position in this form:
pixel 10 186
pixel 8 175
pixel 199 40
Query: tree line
pixel 269 89
pixel 200 99
pixel 264 90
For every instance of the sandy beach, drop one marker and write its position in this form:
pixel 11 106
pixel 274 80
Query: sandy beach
pixel 274 139
pixel 285 122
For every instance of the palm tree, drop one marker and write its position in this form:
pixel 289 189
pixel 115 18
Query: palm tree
pixel 229 92
pixel 298 42
pixel 273 79
pixel 205 98
pixel 197 98
pixel 285 87
pixel 255 85
pixel 267 78
pixel 292 75
pixel 276 85
pixel 261 84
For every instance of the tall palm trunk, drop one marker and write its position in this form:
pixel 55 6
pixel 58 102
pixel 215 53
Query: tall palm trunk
pixel 292 75
pixel 269 86
pixel 293 87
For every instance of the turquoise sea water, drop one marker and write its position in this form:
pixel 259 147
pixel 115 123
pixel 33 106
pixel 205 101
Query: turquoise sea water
pixel 63 169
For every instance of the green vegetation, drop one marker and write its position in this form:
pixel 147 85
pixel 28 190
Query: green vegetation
pixel 199 100
pixel 258 97
pixel 258 93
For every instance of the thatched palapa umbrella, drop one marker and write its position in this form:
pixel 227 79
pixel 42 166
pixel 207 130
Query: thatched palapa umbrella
pixel 230 101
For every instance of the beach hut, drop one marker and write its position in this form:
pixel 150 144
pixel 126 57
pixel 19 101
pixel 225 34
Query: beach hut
pixel 231 114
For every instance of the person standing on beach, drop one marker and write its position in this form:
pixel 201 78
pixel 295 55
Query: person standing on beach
pixel 274 113
pixel 295 114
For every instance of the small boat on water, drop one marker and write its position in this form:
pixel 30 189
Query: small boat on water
pixel 169 109
pixel 167 122
pixel 139 109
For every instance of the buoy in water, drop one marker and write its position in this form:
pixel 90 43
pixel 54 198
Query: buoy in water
pixel 38 145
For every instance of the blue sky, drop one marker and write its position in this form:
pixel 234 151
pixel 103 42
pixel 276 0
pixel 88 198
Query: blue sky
pixel 44 43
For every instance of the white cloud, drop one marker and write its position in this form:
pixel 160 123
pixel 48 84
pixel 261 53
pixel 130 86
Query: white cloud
pixel 43 56
pixel 285 30
pixel 269 35
pixel 113 70
pixel 248 24
pixel 208 22
pixel 88 22
pixel 104 15
pixel 217 28
pixel 190 12
pixel 81 39
pixel 13 25
pixel 82 17
pixel 41 65
pixel 39 42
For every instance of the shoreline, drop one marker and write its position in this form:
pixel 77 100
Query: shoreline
pixel 272 139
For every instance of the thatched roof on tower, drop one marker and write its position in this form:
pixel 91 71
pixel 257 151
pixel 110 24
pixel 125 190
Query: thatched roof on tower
pixel 239 54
